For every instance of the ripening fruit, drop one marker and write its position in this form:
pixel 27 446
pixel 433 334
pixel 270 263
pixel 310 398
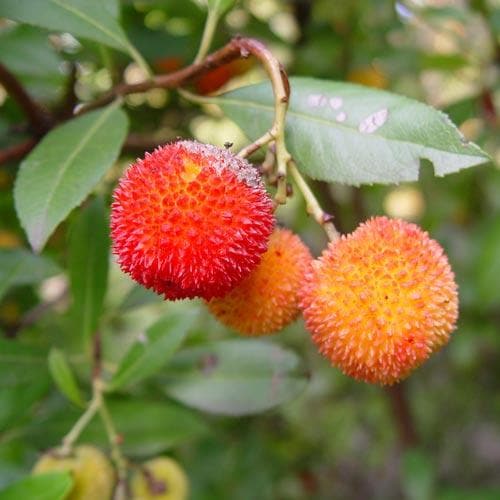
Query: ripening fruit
pixel 268 299
pixel 190 220
pixel 215 79
pixel 159 479
pixel 91 471
pixel 379 301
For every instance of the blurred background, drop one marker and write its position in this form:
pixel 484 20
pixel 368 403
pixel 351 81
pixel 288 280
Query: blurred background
pixel 339 439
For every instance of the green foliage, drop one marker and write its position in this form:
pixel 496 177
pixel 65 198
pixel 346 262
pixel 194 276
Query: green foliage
pixel 246 418
pixel 49 486
pixel 235 377
pixel 88 267
pixel 151 351
pixel 20 267
pixel 64 168
pixel 63 376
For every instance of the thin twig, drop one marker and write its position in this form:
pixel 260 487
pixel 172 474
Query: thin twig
pixel 39 119
pixel 17 151
pixel 402 415
pixel 237 48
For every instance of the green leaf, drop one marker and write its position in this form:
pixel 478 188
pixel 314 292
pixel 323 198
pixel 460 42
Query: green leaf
pixel 149 427
pixel 418 478
pixel 64 377
pixel 88 267
pixel 152 350
pixel 48 486
pixel 138 296
pixel 26 51
pixel 24 380
pixel 347 133
pixel 20 267
pixel 65 166
pixel 235 377
pixel 89 19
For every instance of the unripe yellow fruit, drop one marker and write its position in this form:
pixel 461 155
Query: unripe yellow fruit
pixel 92 473
pixel 159 479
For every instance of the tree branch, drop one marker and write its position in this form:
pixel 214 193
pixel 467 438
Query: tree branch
pixel 39 119
pixel 17 151
pixel 237 48
pixel 402 415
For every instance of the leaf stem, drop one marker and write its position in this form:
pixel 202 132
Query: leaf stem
pixel 70 438
pixel 208 35
pixel 312 205
pixel 114 441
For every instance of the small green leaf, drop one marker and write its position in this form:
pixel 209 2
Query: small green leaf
pixel 418 477
pixel 149 427
pixel 20 267
pixel 341 132
pixel 152 350
pixel 65 166
pixel 48 486
pixel 235 377
pixel 64 377
pixel 88 267
pixel 89 19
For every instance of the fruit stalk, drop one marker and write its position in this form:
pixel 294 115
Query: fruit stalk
pixel 312 205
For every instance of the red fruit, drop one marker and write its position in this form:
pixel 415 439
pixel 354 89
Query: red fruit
pixel 379 301
pixel 268 299
pixel 190 220
pixel 214 79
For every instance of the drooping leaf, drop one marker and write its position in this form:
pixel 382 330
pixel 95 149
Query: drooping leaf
pixel 24 380
pixel 235 377
pixel 65 166
pixel 149 427
pixel 347 133
pixel 90 19
pixel 63 376
pixel 20 267
pixel 48 486
pixel 88 267
pixel 152 350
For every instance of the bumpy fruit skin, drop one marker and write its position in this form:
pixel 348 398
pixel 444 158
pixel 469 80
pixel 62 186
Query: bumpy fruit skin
pixel 92 473
pixel 190 220
pixel 268 299
pixel 159 479
pixel 379 301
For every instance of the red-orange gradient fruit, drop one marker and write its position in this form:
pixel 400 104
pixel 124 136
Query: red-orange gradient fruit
pixel 379 301
pixel 268 299
pixel 214 79
pixel 190 220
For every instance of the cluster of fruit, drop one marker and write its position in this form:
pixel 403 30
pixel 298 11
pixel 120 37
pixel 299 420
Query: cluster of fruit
pixel 193 220
pixel 93 476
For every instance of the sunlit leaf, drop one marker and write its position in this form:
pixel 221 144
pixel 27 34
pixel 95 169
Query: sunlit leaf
pixel 65 166
pixel 347 133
